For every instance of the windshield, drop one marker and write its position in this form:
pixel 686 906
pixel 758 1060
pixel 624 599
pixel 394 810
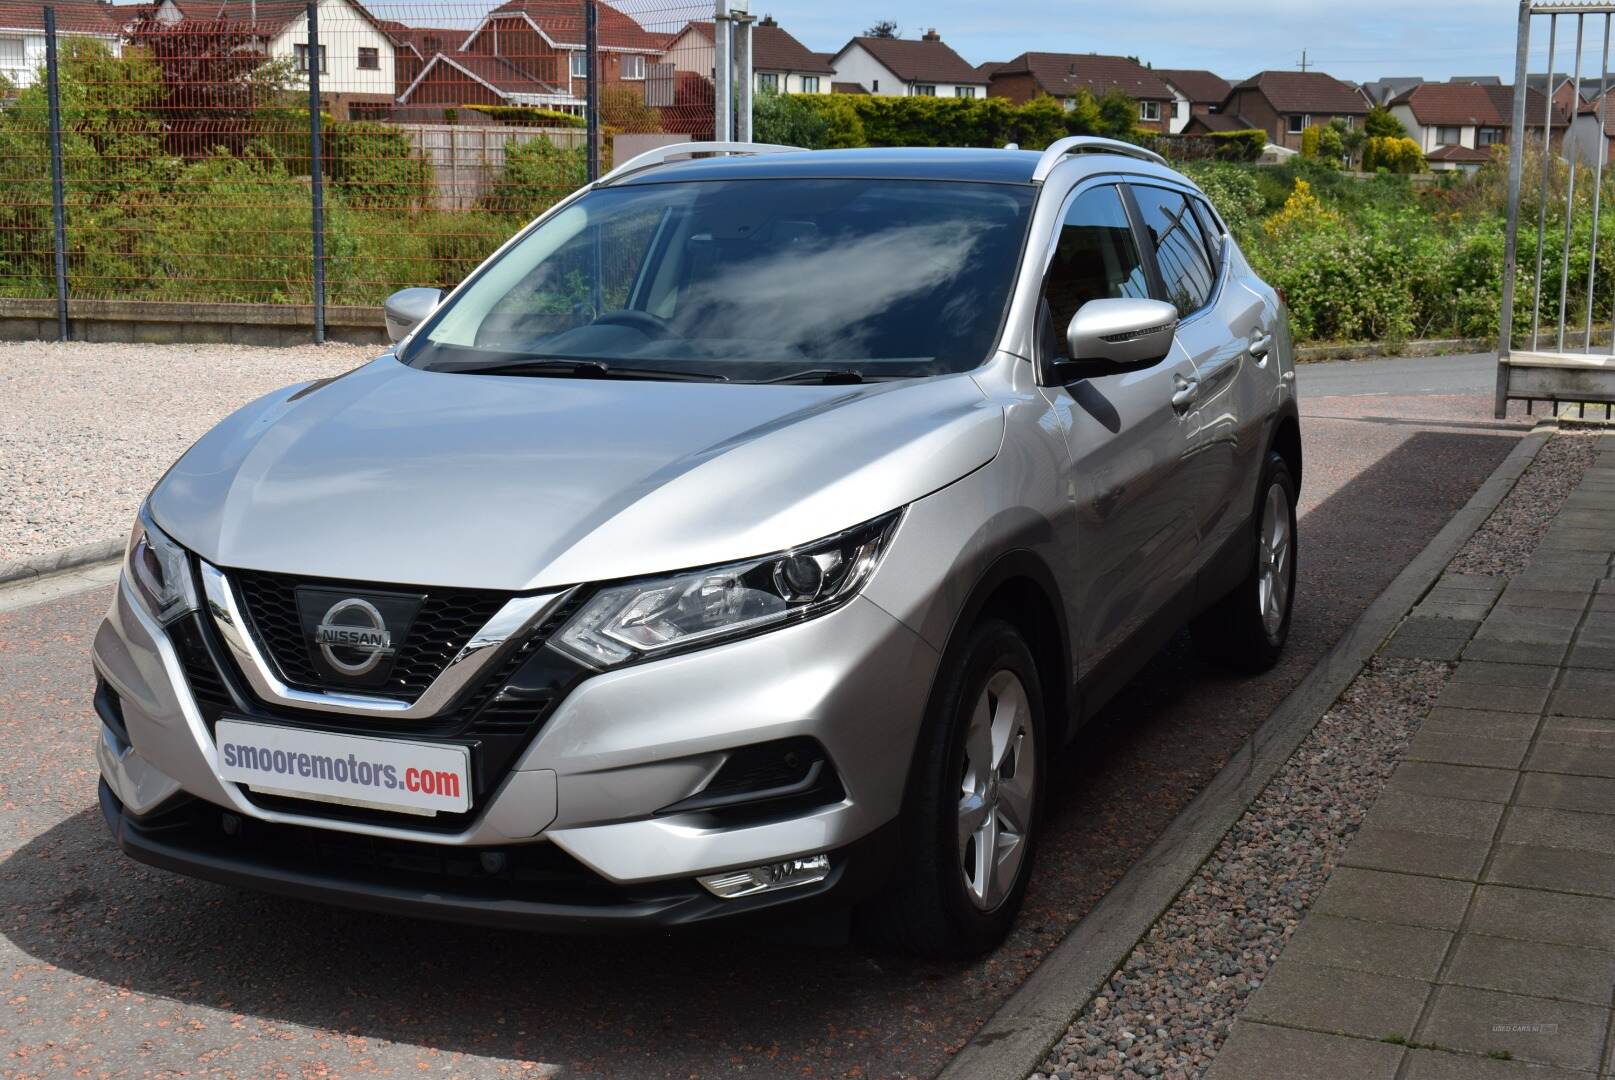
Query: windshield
pixel 748 280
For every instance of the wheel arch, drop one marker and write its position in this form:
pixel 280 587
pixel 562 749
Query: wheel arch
pixel 1286 441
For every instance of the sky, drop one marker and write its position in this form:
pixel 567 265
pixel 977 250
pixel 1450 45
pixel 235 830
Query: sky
pixel 1357 41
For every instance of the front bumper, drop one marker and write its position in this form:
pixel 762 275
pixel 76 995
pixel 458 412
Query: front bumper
pixel 547 892
pixel 619 748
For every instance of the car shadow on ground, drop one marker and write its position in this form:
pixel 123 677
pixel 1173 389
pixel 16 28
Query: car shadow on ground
pixel 670 1004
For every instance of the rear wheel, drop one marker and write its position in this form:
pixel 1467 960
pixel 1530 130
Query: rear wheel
pixel 971 824
pixel 1246 629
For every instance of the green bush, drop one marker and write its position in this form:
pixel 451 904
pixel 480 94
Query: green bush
pixel 824 121
pixel 537 175
pixel 1393 154
pixel 521 116
pixel 376 165
pixel 1232 190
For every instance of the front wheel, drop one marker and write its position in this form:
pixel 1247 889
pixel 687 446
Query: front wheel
pixel 971 823
pixel 1246 629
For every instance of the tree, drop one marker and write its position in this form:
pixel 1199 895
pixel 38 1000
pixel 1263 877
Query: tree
pixel 214 76
pixel 1118 115
pixel 623 107
pixel 1383 124
pixel 885 28
pixel 1351 139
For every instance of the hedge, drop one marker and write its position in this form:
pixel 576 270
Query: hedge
pixel 827 121
pixel 526 116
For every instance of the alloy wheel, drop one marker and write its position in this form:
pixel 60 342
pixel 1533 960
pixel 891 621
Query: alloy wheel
pixel 996 791
pixel 1273 552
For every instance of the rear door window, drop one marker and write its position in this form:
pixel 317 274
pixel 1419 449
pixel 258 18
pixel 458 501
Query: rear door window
pixel 1188 273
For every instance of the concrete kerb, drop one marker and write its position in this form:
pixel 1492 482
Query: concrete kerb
pixel 65 559
pixel 1019 1036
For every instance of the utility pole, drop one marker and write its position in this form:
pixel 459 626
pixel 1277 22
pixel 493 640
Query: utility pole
pixel 1304 64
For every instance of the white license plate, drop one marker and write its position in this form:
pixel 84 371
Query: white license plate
pixel 386 774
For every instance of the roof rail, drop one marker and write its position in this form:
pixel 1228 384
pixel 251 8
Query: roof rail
pixel 652 158
pixel 1060 149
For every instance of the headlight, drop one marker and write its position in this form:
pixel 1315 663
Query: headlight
pixel 644 618
pixel 160 570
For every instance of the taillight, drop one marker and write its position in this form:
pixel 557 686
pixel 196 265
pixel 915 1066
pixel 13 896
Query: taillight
pixel 1284 297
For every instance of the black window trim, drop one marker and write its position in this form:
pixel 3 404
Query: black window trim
pixel 1158 283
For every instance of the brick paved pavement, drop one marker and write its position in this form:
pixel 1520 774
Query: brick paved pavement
pixel 1470 930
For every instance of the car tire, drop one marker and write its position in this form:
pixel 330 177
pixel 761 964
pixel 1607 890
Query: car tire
pixel 1246 629
pixel 951 900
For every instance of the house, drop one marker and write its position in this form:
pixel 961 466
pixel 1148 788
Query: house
pixel 357 56
pixel 414 46
pixel 1065 75
pixel 531 52
pixel 1195 92
pixel 1285 103
pixel 22 34
pixel 779 62
pixel 1386 90
pixel 1588 137
pixel 903 67
pixel 1457 124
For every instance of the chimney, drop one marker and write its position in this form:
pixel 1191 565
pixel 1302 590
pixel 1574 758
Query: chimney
pixel 768 20
pixel 931 35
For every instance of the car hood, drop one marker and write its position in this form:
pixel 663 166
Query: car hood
pixel 393 474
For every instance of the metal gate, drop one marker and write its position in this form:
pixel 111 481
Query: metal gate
pixel 1563 363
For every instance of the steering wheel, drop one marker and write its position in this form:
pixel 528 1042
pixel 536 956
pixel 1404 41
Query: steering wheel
pixel 643 321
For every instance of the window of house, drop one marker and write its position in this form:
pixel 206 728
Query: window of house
pixel 369 59
pixel 1149 110
pixel 300 54
pixel 633 66
pixel 964 91
pixel 11 53
pixel 875 88
pixel 1095 258
pixel 580 64
pixel 810 84
pixel 1449 136
pixel 925 89
pixel 1069 103
pixel 768 80
pixel 1298 124
pixel 1180 248
pixel 1489 136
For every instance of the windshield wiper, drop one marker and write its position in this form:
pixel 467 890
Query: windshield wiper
pixel 585 369
pixel 826 376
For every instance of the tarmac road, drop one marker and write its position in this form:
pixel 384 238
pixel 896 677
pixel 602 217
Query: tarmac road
pixel 116 969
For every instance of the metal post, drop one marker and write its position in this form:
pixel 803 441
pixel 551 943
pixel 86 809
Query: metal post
pixel 723 79
pixel 1516 172
pixel 743 77
pixel 591 54
pixel 316 159
pixel 1598 181
pixel 58 195
pixel 1547 160
pixel 1570 185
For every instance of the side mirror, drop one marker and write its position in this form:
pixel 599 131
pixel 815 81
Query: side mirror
pixel 1122 331
pixel 406 308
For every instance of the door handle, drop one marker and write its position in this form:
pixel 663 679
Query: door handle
pixel 1260 345
pixel 1185 392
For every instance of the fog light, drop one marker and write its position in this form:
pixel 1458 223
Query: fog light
pixel 733 884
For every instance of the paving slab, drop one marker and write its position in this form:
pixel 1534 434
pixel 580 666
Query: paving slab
pixel 1538 915
pixel 1385 948
pixel 1488 673
pixel 1265 1052
pixel 1417 853
pixel 1338 1001
pixel 1563 1033
pixel 1454 781
pixel 1494 698
pixel 1410 899
pixel 1406 812
pixel 1598 703
pixel 1450 1065
pixel 1524 652
pixel 1533 968
pixel 1483 723
pixel 1592 794
pixel 1535 867
pixel 1590 731
pixel 1467 749
pixel 1560 828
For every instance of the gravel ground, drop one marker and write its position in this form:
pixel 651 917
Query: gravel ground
pixel 1503 545
pixel 1165 1012
pixel 86 429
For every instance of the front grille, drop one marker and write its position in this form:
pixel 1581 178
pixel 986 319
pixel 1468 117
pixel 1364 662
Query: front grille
pixel 445 622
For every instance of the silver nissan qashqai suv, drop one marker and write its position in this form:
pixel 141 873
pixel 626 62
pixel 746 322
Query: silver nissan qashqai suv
pixel 750 530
